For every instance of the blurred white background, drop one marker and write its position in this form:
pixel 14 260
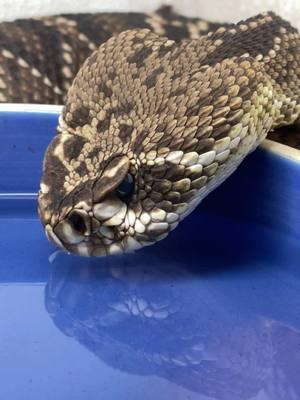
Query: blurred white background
pixel 219 10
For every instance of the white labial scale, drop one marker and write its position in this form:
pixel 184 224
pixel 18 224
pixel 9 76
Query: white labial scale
pixel 69 235
pixel 107 209
pixel 107 241
pixel 107 232
pixel 157 227
pixel 125 225
pixel 83 249
pixel 190 159
pixel 132 244
pixel 139 227
pixel 118 218
pixel 207 158
pixel 222 144
pixel 159 161
pixel 236 130
pixel 221 157
pixel 115 248
pixel 235 142
pixel 145 218
pixel 131 217
pixel 175 157
pixel 158 215
pixel 52 237
pixel 244 132
pixel 195 169
pixel 171 217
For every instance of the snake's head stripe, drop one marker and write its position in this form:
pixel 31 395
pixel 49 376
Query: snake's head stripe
pixel 148 131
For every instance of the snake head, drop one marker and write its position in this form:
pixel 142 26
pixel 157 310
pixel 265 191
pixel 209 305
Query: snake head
pixel 133 153
pixel 88 205
pixel 102 188
pixel 149 128
pixel 94 203
pixel 87 216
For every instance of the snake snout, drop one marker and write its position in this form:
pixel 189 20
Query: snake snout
pixel 74 228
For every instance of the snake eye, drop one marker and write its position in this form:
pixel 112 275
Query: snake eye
pixel 126 187
pixel 78 223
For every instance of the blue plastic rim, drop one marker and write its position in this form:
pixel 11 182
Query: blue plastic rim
pixel 211 312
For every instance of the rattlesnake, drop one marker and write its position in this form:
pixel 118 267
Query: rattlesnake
pixel 154 120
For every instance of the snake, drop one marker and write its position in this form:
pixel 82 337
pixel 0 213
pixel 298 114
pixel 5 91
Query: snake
pixel 159 109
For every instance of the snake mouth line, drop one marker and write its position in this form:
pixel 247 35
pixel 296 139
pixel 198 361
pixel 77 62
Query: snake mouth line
pixel 98 244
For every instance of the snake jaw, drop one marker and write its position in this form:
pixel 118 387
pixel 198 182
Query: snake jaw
pixel 52 237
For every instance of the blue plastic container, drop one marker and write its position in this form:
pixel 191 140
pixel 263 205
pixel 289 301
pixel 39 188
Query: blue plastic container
pixel 211 312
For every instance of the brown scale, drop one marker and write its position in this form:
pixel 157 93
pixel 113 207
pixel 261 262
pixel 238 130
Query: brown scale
pixel 71 38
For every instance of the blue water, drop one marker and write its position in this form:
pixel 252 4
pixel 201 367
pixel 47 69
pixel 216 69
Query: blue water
pixel 212 312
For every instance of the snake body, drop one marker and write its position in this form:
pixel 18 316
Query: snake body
pixel 152 123
pixel 40 57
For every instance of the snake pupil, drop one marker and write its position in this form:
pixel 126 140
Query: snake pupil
pixel 126 187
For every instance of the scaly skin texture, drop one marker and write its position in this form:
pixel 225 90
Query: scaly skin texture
pixel 40 57
pixel 176 119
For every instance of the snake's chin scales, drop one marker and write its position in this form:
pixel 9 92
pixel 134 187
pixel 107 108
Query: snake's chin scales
pixel 151 123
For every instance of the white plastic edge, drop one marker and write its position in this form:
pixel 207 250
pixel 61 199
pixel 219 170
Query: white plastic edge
pixel 281 150
pixel 30 108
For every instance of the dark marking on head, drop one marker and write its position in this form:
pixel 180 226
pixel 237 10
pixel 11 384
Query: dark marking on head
pixel 151 79
pixel 192 111
pixel 161 127
pixel 163 50
pixel 53 176
pixel 82 169
pixel 178 91
pixel 79 117
pixel 221 131
pixel 73 147
pixel 102 87
pixel 110 75
pixel 140 56
pixel 123 110
pixel 125 133
pixel 94 152
pixel 138 144
pixel 137 40
pixel 189 144
pixel 102 126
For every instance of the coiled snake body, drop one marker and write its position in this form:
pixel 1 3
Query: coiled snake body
pixel 151 124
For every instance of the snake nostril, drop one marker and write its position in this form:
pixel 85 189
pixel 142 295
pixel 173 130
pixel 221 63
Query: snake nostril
pixel 78 222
